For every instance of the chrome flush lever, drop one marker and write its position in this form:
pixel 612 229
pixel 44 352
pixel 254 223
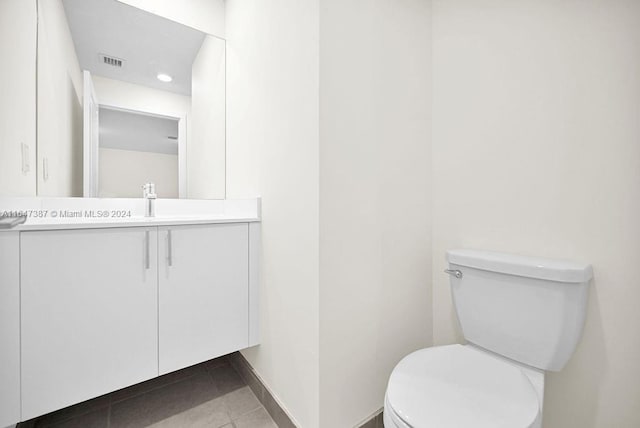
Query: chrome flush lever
pixel 454 272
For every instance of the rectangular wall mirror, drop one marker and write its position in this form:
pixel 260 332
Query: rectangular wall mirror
pixel 121 97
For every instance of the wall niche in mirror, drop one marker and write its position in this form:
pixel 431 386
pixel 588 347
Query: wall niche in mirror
pixel 124 97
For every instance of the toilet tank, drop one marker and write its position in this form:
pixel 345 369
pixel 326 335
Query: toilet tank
pixel 529 309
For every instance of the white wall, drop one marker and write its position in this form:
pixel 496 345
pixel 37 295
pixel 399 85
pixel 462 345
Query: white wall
pixel 122 173
pixel 375 207
pixel 272 151
pixel 336 254
pixel 18 20
pixel 536 151
pixel 206 147
pixel 204 15
pixel 59 104
pixel 129 96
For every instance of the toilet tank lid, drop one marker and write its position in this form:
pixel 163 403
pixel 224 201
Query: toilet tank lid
pixel 531 267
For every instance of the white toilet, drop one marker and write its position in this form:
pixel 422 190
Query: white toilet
pixel 520 316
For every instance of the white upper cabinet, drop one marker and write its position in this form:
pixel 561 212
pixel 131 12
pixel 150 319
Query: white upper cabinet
pixel 89 314
pixel 203 293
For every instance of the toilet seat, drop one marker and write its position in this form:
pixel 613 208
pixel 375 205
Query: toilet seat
pixel 458 386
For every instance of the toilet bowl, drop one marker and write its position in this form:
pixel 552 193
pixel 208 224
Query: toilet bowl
pixel 521 316
pixel 462 386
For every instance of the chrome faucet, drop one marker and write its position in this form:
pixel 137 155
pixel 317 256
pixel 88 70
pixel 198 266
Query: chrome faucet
pixel 149 194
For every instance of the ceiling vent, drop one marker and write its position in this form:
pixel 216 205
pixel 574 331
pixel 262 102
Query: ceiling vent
pixel 111 61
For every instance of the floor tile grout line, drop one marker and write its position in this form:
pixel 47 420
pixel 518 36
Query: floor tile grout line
pixel 112 401
pixel 246 385
pixel 159 386
pixel 247 412
pixel 209 372
pixel 40 421
pixel 254 411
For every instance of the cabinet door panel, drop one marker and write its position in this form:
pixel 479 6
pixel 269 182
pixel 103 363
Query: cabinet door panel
pixel 9 328
pixel 203 301
pixel 89 314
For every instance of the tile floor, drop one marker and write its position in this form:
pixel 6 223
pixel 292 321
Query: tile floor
pixel 211 395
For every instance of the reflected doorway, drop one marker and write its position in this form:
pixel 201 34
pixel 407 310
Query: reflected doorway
pixel 137 148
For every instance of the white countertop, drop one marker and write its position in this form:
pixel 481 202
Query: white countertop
pixel 78 213
pixel 85 223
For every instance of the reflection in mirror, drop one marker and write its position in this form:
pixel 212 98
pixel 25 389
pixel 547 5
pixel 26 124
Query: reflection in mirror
pixel 134 148
pixel 124 97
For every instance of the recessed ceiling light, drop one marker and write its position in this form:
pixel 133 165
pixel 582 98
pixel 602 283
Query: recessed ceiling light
pixel 164 77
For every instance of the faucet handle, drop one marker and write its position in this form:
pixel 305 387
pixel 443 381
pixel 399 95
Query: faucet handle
pixel 149 191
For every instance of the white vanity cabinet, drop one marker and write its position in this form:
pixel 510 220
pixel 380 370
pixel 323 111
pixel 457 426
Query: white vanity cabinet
pixel 9 328
pixel 88 310
pixel 89 314
pixel 203 293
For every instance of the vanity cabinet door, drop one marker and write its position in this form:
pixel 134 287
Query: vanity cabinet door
pixel 89 314
pixel 9 328
pixel 204 299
